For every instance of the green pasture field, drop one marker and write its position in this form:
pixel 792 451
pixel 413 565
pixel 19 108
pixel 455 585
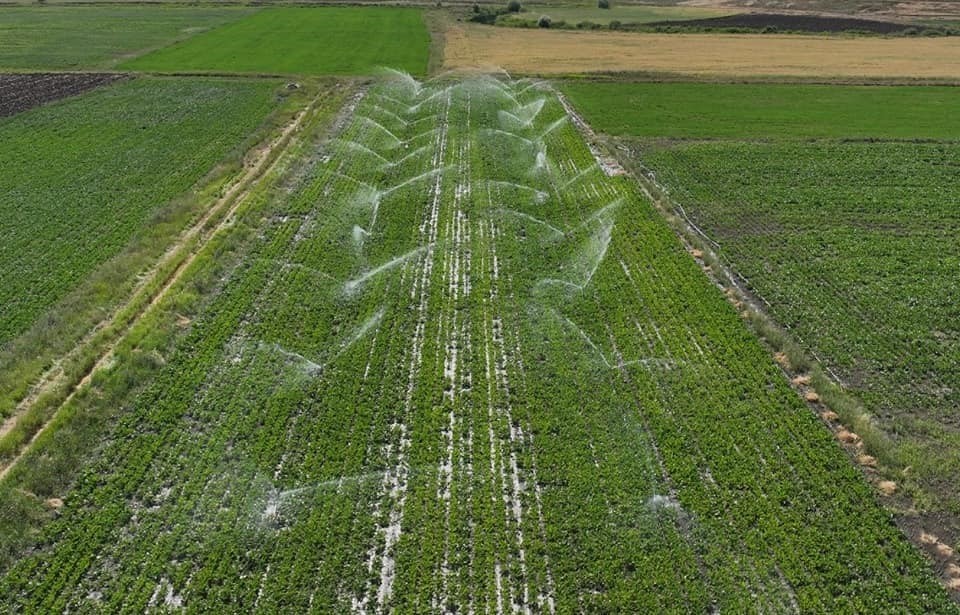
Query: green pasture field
pixel 315 41
pixel 97 37
pixel 82 177
pixel 624 13
pixel 451 365
pixel 766 111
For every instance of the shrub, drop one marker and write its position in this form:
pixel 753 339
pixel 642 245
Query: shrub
pixel 514 6
pixel 486 16
pixel 544 21
pixel 615 25
pixel 603 4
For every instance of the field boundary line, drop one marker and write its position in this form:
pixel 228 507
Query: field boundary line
pixel 179 256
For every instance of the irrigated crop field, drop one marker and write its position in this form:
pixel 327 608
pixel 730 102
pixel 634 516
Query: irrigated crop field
pixel 851 244
pixel 457 367
pixel 353 341
pixel 856 248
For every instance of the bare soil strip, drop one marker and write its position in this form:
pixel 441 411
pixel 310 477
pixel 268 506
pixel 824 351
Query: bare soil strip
pixel 557 52
pixel 147 294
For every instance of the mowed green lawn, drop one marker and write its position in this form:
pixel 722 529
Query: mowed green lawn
pixel 303 41
pixel 97 37
pixel 767 111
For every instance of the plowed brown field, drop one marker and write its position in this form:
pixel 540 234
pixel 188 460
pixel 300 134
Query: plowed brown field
pixel 19 92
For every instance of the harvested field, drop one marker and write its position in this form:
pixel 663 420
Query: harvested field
pixel 21 92
pixel 766 111
pixel 553 52
pixel 796 23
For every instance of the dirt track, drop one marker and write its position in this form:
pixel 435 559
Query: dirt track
pixel 551 52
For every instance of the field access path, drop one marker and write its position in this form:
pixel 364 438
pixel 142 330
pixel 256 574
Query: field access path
pixel 461 369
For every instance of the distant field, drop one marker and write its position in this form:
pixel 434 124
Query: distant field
pixel 790 23
pixel 540 51
pixel 303 41
pixel 624 13
pixel 87 37
pixel 82 176
pixel 768 111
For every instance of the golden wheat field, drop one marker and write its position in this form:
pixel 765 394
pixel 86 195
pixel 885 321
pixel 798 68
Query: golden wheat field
pixel 552 52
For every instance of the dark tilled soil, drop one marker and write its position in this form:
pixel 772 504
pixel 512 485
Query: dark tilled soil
pixel 19 92
pixel 796 23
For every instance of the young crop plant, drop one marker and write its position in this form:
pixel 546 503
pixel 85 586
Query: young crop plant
pixel 460 368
